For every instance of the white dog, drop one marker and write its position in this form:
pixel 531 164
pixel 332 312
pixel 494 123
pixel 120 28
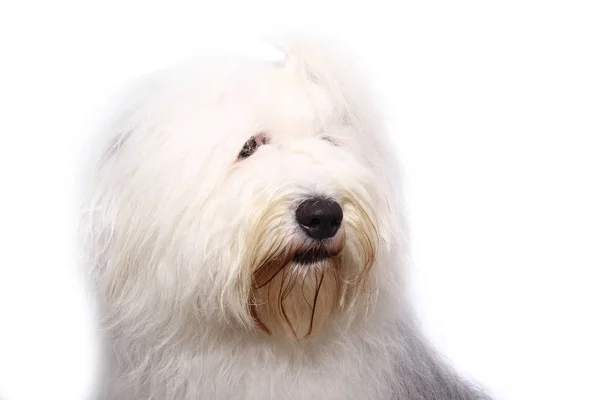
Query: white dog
pixel 245 231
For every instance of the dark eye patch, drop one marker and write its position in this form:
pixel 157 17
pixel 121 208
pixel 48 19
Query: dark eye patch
pixel 252 145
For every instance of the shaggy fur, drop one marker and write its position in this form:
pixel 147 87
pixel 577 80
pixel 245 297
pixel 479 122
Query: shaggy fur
pixel 196 257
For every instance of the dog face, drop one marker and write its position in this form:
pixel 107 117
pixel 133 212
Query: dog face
pixel 251 196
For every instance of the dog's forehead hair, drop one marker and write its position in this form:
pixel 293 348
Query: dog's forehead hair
pixel 286 106
pixel 287 102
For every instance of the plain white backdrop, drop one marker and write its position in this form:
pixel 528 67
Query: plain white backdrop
pixel 495 109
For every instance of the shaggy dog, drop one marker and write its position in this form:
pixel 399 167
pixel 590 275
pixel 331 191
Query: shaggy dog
pixel 245 235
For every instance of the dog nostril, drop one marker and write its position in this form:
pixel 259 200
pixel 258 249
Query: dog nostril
pixel 319 218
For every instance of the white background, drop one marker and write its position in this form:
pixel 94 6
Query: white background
pixel 495 107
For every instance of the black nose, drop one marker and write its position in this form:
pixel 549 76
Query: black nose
pixel 319 218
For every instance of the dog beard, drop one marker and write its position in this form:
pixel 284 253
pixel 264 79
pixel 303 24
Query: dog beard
pixel 297 288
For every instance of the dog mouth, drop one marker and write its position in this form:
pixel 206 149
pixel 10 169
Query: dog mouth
pixel 315 254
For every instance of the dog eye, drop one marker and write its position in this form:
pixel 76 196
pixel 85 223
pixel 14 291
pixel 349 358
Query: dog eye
pixel 252 145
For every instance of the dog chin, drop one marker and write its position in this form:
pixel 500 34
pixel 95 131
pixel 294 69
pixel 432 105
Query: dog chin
pixel 297 302
pixel 297 291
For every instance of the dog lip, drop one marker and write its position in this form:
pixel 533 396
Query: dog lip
pixel 315 254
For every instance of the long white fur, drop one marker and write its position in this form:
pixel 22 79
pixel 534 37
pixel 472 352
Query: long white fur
pixel 172 224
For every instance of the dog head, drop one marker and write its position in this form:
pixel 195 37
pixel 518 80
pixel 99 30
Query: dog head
pixel 245 194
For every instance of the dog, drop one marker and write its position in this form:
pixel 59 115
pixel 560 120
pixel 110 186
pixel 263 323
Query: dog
pixel 245 238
